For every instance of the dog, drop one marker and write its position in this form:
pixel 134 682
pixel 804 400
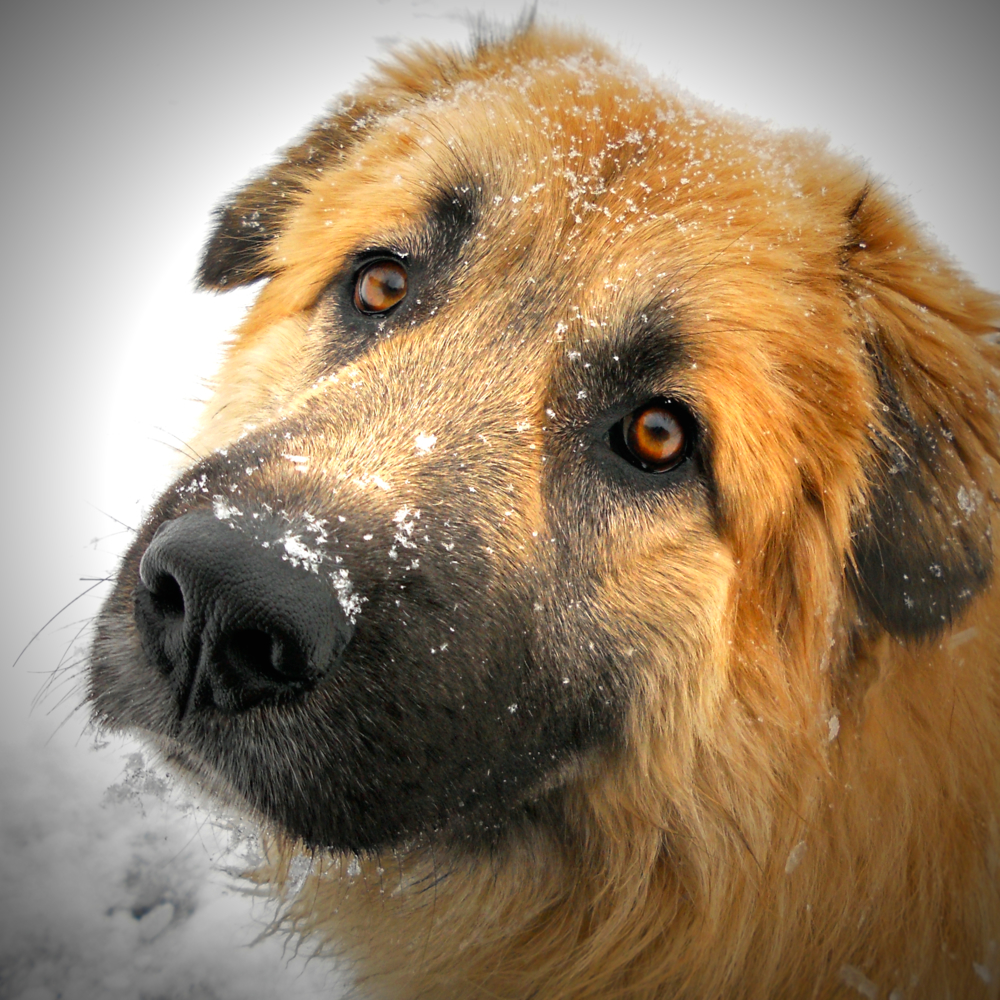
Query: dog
pixel 591 564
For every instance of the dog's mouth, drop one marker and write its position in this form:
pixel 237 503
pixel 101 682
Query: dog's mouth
pixel 354 685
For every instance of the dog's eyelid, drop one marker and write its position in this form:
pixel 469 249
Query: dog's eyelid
pixel 360 259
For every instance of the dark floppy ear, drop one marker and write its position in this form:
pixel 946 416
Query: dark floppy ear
pixel 250 219
pixel 246 223
pixel 922 546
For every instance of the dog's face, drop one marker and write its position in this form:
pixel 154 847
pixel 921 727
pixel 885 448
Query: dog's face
pixel 563 424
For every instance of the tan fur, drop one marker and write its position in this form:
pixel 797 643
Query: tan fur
pixel 802 809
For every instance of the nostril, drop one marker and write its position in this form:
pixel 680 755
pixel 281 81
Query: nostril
pixel 167 596
pixel 255 653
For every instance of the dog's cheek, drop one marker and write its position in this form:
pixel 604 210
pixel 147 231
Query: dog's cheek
pixel 669 605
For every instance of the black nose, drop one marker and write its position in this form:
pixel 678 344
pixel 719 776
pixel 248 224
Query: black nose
pixel 230 617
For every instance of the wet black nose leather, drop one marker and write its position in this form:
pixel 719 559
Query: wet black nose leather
pixel 232 621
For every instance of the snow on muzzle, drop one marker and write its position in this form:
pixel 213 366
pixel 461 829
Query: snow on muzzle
pixel 230 619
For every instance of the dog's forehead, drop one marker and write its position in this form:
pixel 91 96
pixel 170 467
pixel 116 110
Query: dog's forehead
pixel 574 169
pixel 595 205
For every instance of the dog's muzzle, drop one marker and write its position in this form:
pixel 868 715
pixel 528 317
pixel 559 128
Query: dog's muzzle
pixel 230 620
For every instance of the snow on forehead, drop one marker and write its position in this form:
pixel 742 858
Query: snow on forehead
pixel 592 107
pixel 589 105
pixel 584 71
pixel 563 84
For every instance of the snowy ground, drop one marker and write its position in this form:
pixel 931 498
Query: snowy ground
pixel 123 123
pixel 114 885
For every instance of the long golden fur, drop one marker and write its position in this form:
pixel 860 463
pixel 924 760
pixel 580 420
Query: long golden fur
pixel 796 789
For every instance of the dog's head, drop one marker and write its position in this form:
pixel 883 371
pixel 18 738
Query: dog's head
pixel 576 428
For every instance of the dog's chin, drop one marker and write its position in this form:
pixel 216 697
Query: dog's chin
pixel 482 826
pixel 268 765
pixel 214 778
pixel 387 746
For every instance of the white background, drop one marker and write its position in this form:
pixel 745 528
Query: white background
pixel 121 125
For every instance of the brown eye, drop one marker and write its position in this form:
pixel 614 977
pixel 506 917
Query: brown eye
pixel 379 286
pixel 655 437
